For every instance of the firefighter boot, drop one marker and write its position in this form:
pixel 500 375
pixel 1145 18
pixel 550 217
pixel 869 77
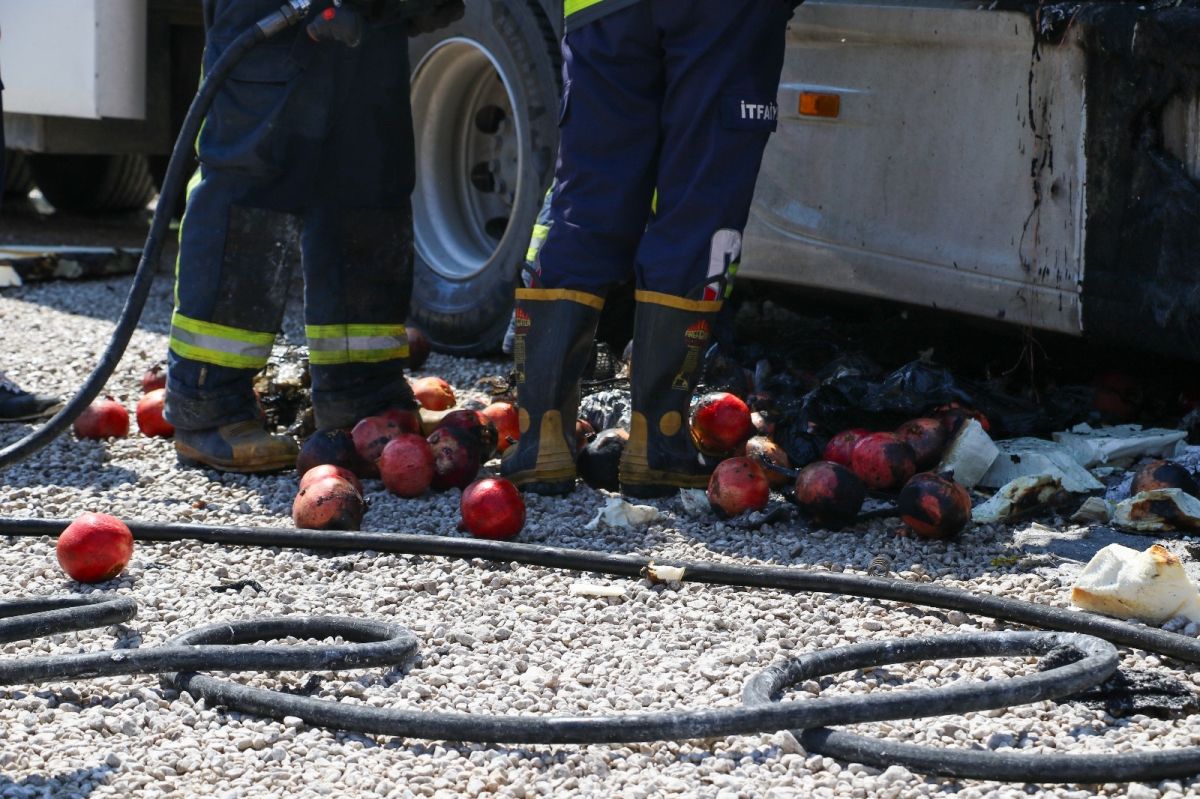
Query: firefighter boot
pixel 554 332
pixel 670 337
pixel 237 447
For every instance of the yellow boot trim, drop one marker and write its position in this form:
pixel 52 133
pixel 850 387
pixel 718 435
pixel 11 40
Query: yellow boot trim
pixel 635 468
pixel 594 301
pixel 554 462
pixel 679 303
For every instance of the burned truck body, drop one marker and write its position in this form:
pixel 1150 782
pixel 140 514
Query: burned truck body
pixel 1038 164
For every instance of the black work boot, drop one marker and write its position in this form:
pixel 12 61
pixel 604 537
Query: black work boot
pixel 237 447
pixel 670 337
pixel 554 332
pixel 19 405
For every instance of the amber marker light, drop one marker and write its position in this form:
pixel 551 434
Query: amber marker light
pixel 819 104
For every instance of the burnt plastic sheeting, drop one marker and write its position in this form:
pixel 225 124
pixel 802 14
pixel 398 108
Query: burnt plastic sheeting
pixel 783 578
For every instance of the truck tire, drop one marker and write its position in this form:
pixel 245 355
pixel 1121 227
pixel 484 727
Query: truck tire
pixel 18 180
pixel 94 183
pixel 485 95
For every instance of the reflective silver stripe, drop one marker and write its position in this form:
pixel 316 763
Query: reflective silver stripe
pixel 356 343
pixel 229 346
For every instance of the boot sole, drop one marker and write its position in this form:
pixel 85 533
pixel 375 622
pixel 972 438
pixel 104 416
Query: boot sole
pixel 32 417
pixel 192 457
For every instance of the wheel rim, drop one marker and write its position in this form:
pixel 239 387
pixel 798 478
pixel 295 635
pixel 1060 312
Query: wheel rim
pixel 469 145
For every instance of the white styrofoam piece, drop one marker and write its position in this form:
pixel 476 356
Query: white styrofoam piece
pixel 1091 446
pixel 1122 582
pixel 969 455
pixel 1031 457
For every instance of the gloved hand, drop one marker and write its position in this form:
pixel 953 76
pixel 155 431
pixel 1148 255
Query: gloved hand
pixel 442 14
pixel 342 24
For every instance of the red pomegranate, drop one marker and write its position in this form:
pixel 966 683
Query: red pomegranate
pixel 104 418
pixel 418 347
pixel 329 470
pixel 882 461
pixel 720 423
pixel 149 415
pixel 406 465
pixel 492 508
pixel 434 393
pixel 455 458
pixel 154 378
pixel 408 421
pixel 760 447
pixel 927 437
pixel 94 548
pixel 505 419
pixel 829 493
pixel 333 446
pixel 370 436
pixel 329 503
pixel 1163 474
pixel 934 506
pixel 840 447
pixel 738 485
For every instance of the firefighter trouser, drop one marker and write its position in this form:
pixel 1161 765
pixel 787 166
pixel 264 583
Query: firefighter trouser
pixel 309 140
pixel 678 97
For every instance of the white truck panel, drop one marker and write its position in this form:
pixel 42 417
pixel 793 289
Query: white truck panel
pixel 74 58
pixel 898 194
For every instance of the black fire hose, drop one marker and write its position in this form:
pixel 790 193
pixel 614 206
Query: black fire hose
pixel 760 714
pixel 289 14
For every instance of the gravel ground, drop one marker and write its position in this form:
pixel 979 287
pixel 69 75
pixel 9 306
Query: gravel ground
pixel 496 638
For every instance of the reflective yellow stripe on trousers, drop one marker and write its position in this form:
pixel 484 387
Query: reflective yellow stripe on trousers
pixel 575 6
pixel 329 345
pixel 208 342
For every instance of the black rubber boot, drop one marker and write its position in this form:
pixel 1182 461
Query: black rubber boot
pixel 554 333
pixel 670 337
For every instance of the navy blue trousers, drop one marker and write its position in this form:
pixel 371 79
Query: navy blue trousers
pixel 678 97
pixel 308 140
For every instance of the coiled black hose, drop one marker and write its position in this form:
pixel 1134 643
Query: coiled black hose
pixel 218 646
pixel 806 716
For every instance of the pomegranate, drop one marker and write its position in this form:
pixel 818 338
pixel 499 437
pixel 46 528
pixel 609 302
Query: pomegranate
pixel 720 423
pixel 934 506
pixel 104 418
pixel 504 418
pixel 329 503
pixel 329 470
pixel 738 485
pixel 94 548
pixel 584 432
pixel 418 347
pixel 1117 397
pixel 475 424
pixel 1163 474
pixel 492 508
pixel 600 460
pixel 927 437
pixel 370 436
pixel 154 378
pixel 332 446
pixel 433 393
pixel 883 462
pixel 829 493
pixel 760 447
pixel 150 415
pixel 953 416
pixel 408 421
pixel 840 446
pixel 406 465
pixel 455 458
